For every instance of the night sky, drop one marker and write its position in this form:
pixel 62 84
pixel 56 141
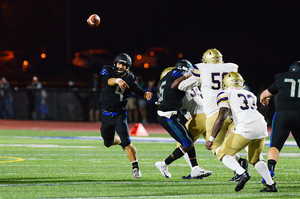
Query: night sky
pixel 262 37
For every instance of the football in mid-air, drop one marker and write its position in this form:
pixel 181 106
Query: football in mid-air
pixel 94 20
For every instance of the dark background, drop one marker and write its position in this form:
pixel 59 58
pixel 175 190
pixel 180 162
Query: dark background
pixel 262 37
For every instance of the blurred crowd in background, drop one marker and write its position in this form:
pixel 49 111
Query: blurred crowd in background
pixel 81 102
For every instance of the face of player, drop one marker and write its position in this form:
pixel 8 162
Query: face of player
pixel 121 67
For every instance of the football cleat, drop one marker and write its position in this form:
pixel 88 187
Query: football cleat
pixel 163 168
pixel 244 178
pixel 199 172
pixel 272 173
pixel 136 173
pixel 270 188
pixel 190 177
pixel 235 178
pixel 244 163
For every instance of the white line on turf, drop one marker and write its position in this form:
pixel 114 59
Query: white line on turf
pixel 142 139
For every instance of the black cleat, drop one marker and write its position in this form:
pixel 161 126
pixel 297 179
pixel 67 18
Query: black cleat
pixel 235 178
pixel 270 188
pixel 244 178
pixel 190 177
pixel 244 163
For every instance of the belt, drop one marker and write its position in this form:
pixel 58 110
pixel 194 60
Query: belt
pixel 110 113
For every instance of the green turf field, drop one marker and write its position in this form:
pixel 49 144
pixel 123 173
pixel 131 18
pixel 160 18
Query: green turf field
pixel 33 164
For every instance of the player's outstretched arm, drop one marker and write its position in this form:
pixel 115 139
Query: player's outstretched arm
pixel 265 97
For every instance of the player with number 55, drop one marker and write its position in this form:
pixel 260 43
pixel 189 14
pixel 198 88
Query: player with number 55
pixel 212 70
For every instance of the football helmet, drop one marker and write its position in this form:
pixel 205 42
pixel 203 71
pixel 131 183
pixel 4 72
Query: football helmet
pixel 212 56
pixel 165 72
pixel 183 65
pixel 124 59
pixel 233 80
pixel 295 67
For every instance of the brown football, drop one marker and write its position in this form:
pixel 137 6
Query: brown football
pixel 94 20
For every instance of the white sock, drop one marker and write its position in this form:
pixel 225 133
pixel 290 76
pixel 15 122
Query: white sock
pixel 187 159
pixel 237 157
pixel 262 168
pixel 232 164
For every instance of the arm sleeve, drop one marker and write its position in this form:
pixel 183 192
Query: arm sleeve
pixel 272 89
pixel 138 90
pixel 189 83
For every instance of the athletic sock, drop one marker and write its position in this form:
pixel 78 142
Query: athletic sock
pixel 262 169
pixel 232 164
pixel 271 165
pixel 177 153
pixel 135 164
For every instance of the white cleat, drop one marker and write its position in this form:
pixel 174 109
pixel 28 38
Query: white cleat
pixel 199 172
pixel 136 173
pixel 163 168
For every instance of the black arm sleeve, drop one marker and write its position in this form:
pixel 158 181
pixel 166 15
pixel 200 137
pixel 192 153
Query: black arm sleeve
pixel 138 90
pixel 273 89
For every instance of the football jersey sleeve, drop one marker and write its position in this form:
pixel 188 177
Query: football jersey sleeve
pixel 189 83
pixel 106 73
pixel 222 100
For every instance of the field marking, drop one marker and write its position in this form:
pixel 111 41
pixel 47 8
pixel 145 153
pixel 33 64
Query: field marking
pixel 47 146
pixel 133 138
pixel 192 196
pixel 14 159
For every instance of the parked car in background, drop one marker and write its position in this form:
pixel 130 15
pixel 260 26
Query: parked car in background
pixel 154 57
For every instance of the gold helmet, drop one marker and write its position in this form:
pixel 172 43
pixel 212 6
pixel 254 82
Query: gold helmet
pixel 212 56
pixel 165 72
pixel 233 80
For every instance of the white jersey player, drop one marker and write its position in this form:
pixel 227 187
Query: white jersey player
pixel 250 130
pixel 212 71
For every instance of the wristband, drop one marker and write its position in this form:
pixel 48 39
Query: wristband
pixel 211 138
pixel 117 80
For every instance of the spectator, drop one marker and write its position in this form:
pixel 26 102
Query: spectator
pixel 35 98
pixel 94 104
pixel 142 102
pixel 151 106
pixel 132 108
pixel 5 100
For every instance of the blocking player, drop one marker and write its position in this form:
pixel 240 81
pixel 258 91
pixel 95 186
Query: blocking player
pixel 194 119
pixel 286 119
pixel 170 103
pixel 250 130
pixel 117 84
pixel 212 70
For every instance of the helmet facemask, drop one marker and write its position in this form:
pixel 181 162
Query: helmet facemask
pixel 183 65
pixel 125 59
